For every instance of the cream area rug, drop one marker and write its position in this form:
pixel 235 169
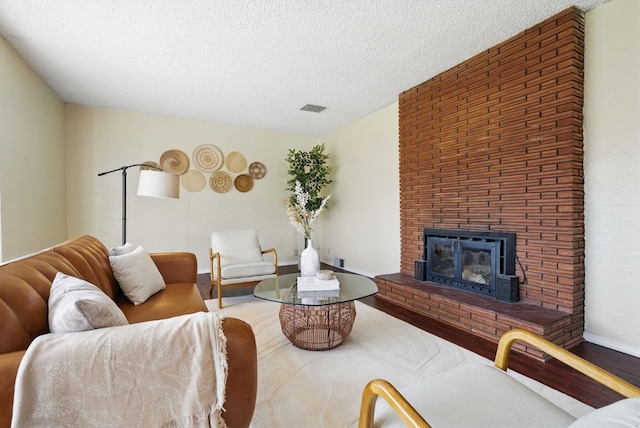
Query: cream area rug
pixel 323 388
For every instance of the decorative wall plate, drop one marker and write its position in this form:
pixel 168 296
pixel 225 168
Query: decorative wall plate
pixel 150 166
pixel 236 162
pixel 174 161
pixel 257 170
pixel 244 183
pixel 207 158
pixel 220 182
pixel 193 180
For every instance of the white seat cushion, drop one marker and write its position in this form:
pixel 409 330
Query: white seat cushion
pixel 246 279
pixel 621 414
pixel 475 395
pixel 247 269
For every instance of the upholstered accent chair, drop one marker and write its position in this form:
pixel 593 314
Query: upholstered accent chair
pixel 484 395
pixel 237 260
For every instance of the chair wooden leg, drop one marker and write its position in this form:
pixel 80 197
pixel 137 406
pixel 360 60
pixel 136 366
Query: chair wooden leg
pixel 219 296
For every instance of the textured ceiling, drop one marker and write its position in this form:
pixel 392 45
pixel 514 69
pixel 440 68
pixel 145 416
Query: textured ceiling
pixel 256 63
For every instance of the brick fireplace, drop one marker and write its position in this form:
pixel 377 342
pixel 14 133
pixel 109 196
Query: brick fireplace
pixel 495 144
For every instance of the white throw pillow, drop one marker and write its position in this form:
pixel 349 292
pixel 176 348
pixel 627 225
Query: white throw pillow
pixel 124 249
pixel 137 274
pixel 77 305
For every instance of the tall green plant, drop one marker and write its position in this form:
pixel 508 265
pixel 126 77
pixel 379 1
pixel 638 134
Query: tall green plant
pixel 311 170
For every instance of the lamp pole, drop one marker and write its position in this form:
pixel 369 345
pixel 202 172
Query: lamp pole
pixel 124 193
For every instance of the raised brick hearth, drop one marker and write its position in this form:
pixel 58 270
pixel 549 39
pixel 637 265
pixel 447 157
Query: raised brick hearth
pixel 495 144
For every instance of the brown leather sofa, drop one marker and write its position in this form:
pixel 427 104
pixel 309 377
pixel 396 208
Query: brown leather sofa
pixel 24 290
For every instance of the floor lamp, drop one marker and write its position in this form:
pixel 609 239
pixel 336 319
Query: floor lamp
pixel 153 182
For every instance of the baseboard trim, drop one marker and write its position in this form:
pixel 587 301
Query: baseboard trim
pixel 611 344
pixel 357 272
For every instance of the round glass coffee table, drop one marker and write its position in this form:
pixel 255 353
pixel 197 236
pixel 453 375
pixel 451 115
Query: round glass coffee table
pixel 316 320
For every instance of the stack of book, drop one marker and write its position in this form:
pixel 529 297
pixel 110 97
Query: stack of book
pixel 312 290
pixel 311 283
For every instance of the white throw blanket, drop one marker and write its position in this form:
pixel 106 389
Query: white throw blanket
pixel 159 373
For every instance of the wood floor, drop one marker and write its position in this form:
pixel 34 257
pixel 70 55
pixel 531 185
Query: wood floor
pixel 552 373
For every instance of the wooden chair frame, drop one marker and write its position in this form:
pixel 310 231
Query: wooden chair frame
pixel 381 388
pixel 218 272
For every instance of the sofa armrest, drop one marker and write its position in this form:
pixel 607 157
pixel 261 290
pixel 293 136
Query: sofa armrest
pixel 9 364
pixel 177 266
pixel 242 380
pixel 241 387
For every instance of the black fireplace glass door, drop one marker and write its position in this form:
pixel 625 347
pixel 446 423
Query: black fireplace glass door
pixel 479 263
pixel 467 259
pixel 441 257
pixel 463 263
pixel 476 265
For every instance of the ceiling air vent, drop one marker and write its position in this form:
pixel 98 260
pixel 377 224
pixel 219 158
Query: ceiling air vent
pixel 312 108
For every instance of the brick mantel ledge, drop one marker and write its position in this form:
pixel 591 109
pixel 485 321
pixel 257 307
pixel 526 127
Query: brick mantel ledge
pixel 481 315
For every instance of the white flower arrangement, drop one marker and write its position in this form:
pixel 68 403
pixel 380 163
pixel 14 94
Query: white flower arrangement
pixel 299 216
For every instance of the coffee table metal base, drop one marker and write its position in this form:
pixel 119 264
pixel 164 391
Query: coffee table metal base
pixel 317 328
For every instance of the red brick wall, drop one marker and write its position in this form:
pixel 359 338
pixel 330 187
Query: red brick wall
pixel 495 143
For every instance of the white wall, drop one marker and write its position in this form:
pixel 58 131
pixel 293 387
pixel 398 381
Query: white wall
pixel 612 176
pixel 362 225
pixel 32 169
pixel 101 140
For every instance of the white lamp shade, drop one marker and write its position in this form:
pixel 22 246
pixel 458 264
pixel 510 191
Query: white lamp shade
pixel 158 184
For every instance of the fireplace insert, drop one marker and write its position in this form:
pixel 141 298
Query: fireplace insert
pixel 482 262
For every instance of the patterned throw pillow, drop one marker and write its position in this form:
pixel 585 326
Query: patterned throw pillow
pixel 77 305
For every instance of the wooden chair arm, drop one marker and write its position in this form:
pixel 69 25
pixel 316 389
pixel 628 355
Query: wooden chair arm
pixel 270 250
pixel 381 388
pixel 583 366
pixel 275 257
pixel 216 256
